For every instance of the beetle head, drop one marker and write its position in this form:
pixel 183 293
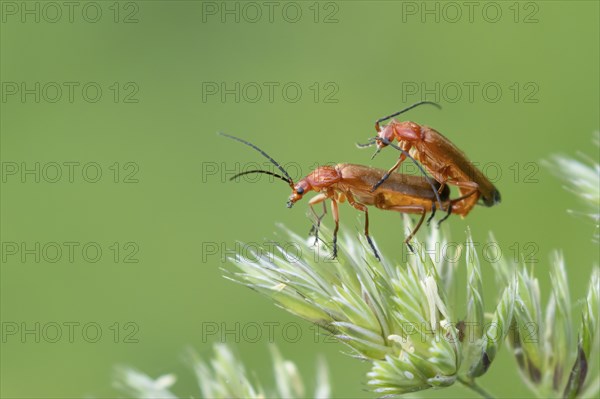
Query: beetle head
pixel 385 136
pixel 298 191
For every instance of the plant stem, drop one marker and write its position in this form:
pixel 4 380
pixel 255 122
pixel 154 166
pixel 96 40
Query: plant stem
pixel 471 384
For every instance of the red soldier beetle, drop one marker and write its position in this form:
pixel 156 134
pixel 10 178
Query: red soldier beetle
pixel 353 183
pixel 446 162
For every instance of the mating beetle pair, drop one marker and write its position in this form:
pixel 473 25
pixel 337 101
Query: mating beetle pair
pixel 363 186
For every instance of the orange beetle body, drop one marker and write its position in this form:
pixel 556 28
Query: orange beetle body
pixel 446 162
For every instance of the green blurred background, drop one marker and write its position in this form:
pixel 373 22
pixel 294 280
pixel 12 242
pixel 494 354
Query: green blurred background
pixel 163 197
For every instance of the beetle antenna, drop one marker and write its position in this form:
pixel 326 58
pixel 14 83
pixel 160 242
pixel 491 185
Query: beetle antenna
pixel 266 172
pixel 437 195
pixel 385 118
pixel 264 154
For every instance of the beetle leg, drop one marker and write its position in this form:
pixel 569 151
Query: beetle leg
pixel 411 209
pixel 315 227
pixel 469 196
pixel 448 213
pixel 442 186
pixel 417 227
pixel 432 213
pixel 363 208
pixel 460 205
pixel 336 218
pixel 389 172
pixel 370 143
pixel 464 206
